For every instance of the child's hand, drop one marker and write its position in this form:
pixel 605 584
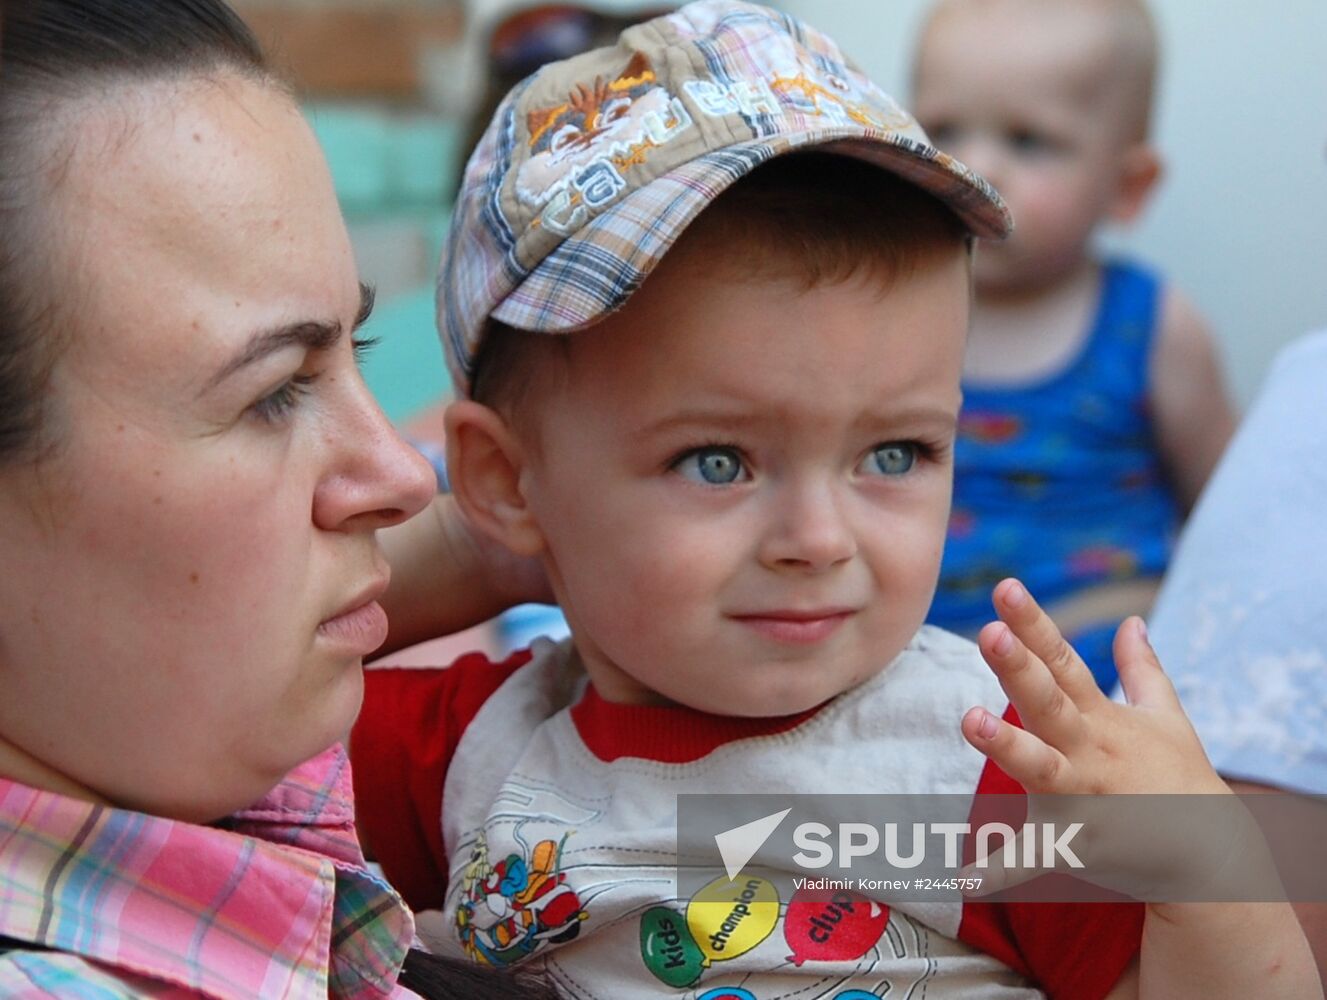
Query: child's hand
pixel 1077 742
pixel 1074 739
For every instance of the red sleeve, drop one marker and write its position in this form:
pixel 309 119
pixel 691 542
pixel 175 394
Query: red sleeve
pixel 1073 950
pixel 400 749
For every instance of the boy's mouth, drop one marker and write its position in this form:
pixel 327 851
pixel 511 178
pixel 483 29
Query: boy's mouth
pixel 798 627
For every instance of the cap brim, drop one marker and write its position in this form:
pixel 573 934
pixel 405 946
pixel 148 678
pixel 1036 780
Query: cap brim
pixel 595 271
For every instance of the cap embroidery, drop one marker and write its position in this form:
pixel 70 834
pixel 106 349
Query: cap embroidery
pixel 579 149
pixel 832 98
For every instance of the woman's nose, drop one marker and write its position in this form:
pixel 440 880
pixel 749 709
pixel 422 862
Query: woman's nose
pixel 375 479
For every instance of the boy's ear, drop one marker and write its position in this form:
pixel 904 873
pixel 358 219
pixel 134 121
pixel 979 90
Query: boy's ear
pixel 485 463
pixel 1140 170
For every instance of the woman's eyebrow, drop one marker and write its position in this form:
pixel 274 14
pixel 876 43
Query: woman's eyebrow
pixel 309 334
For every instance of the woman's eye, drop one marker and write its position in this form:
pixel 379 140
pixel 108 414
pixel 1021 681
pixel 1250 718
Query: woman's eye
pixel 893 458
pixel 278 404
pixel 712 466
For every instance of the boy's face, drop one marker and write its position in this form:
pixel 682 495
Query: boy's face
pixel 742 485
pixel 1029 96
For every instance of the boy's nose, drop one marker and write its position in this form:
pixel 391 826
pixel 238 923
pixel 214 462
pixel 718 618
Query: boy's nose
pixel 808 531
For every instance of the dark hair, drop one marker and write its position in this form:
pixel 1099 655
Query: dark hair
pixel 53 52
pixel 813 218
pixel 441 978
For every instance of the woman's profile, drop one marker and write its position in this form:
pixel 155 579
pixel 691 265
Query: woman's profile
pixel 192 478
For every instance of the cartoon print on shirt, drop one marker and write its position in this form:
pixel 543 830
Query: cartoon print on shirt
pixel 724 920
pixel 682 942
pixel 512 907
pixel 841 926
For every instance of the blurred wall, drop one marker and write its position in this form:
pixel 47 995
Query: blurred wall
pixel 356 48
pixel 1241 220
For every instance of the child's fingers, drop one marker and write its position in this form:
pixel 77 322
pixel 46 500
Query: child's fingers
pixel 1021 755
pixel 1141 675
pixel 1039 634
pixel 1042 704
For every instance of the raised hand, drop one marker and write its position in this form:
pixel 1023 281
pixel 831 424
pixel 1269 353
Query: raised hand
pixel 1074 739
pixel 1076 742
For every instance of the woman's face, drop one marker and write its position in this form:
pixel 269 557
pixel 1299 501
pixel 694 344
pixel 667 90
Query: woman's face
pixel 188 581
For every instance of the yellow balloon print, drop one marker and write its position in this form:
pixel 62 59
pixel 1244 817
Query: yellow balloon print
pixel 728 918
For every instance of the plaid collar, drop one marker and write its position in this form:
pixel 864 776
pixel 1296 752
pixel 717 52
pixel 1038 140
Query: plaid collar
pixel 274 901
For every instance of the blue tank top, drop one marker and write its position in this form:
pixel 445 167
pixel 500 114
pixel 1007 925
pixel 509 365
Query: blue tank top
pixel 1060 482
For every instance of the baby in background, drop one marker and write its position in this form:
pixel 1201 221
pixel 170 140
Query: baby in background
pixel 1094 407
pixel 705 301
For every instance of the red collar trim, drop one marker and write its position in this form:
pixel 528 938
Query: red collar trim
pixel 667 734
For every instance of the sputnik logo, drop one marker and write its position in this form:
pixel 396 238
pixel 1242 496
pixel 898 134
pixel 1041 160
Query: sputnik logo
pixel 740 844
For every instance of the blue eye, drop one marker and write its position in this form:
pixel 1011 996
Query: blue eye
pixel 713 466
pixel 893 458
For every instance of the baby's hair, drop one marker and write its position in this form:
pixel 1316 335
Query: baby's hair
pixel 811 218
pixel 1133 41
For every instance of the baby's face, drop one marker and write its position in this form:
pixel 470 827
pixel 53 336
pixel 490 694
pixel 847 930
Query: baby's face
pixel 743 485
pixel 1035 105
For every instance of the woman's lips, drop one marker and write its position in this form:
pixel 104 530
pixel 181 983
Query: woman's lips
pixel 360 630
pixel 796 627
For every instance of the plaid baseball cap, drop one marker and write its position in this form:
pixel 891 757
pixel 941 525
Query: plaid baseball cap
pixel 592 167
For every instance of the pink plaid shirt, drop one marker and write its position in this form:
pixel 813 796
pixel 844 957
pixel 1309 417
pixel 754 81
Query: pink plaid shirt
pixel 273 902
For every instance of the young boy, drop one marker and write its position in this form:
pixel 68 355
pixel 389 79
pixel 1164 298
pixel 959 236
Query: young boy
pixel 707 295
pixel 1094 408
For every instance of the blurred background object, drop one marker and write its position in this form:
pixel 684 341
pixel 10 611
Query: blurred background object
pixel 356 48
